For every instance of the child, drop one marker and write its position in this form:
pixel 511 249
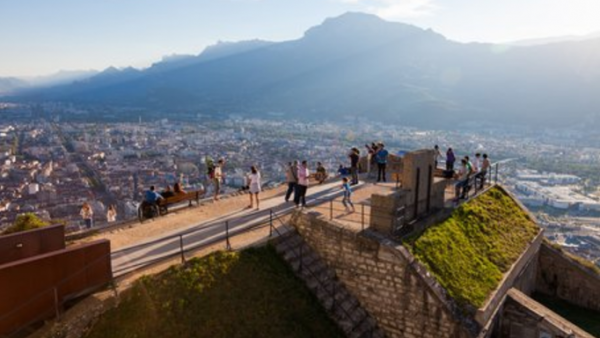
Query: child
pixel 347 194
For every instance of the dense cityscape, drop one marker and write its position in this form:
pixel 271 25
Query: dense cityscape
pixel 51 163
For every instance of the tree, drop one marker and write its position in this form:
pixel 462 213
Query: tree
pixel 24 222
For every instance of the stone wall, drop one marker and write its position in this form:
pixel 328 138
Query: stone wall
pixel 563 277
pixel 417 178
pixel 523 317
pixel 388 213
pixel 385 282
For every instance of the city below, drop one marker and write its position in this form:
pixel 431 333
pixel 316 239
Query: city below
pixel 52 163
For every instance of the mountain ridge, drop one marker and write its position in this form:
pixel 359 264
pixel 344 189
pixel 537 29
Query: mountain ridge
pixel 357 65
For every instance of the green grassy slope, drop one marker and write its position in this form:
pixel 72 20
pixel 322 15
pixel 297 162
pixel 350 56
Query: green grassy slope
pixel 469 252
pixel 243 294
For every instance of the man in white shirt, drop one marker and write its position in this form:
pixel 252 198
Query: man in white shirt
pixel 477 163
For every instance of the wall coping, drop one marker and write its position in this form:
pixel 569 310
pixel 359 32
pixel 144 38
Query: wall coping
pixel 42 229
pixel 574 262
pixel 494 301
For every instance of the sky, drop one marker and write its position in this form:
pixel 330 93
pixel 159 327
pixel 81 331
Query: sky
pixel 40 37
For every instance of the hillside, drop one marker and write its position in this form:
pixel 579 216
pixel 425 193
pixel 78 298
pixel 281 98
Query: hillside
pixel 469 252
pixel 227 294
pixel 358 65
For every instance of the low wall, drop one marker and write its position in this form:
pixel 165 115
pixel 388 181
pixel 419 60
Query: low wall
pixel 31 289
pixel 31 243
pixel 563 277
pixel 522 317
pixel 381 278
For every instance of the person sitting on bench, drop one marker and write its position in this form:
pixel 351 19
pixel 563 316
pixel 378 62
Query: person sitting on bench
pixel 177 189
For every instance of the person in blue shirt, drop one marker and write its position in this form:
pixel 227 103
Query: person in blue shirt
pixel 346 201
pixel 381 159
pixel 151 197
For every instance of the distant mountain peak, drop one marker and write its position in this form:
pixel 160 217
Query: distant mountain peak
pixel 357 25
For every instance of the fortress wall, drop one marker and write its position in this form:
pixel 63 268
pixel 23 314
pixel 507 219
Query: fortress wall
pixel 560 276
pixel 380 278
pixel 523 317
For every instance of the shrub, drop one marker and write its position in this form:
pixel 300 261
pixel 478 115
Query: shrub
pixel 24 222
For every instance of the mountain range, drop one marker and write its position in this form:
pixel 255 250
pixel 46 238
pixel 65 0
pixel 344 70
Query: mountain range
pixel 358 65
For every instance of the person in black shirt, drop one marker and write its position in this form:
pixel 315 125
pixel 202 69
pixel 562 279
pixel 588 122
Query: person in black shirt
pixel 354 158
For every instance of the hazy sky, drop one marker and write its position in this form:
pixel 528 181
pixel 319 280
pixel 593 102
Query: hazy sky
pixel 42 36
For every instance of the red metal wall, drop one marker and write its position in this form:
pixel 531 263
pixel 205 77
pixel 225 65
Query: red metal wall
pixel 31 243
pixel 28 287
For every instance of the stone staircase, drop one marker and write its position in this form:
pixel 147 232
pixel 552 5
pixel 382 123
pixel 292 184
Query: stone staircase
pixel 340 304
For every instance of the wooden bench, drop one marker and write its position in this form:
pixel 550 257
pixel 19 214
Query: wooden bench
pixel 164 203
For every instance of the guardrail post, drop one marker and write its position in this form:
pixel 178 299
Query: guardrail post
pixel 181 248
pixel 56 306
pixel 330 209
pixel 270 222
pixel 417 187
pixel 496 179
pixel 227 244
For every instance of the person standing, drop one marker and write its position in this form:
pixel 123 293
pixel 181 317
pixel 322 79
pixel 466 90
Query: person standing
pixel 87 214
pixel 354 158
pixel 381 158
pixel 347 201
pixel 302 186
pixel 437 155
pixel 111 214
pixel 450 159
pixel 482 174
pixel 291 177
pixel 217 178
pixel 477 163
pixel 255 187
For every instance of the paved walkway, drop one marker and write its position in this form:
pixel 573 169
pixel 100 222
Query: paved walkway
pixel 168 244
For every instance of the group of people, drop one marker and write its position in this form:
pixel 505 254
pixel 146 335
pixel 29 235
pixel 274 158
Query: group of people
pixel 297 176
pixel 477 169
pixel 87 214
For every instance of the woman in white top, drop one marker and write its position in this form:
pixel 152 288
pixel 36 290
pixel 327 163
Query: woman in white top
pixel 111 214
pixel 254 183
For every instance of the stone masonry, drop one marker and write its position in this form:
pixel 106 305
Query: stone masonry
pixel 384 281
pixel 523 317
pixel 563 277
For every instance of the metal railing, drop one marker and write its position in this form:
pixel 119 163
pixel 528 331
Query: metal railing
pixel 180 250
pixel 361 214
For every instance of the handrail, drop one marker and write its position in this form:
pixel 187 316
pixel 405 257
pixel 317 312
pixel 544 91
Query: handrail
pixel 132 268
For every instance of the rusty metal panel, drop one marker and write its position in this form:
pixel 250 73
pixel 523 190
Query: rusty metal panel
pixel 31 289
pixel 31 243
